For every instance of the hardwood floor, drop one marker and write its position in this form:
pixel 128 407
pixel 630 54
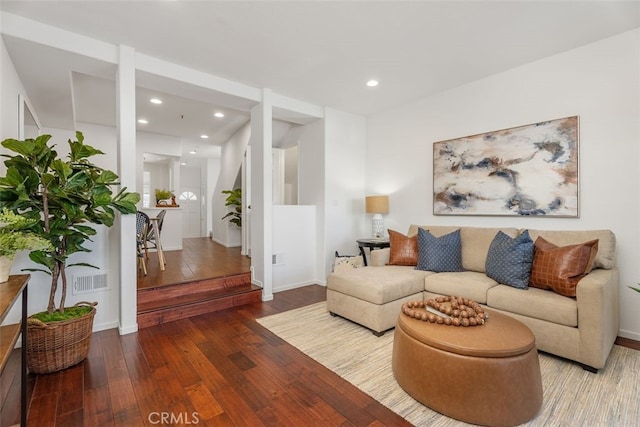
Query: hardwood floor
pixel 221 369
pixel 200 258
pixel 626 342
pixel 202 278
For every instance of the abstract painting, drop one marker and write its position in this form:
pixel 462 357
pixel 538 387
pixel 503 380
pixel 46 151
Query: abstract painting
pixel 525 170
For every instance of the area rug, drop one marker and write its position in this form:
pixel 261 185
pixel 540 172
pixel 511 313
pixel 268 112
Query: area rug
pixel 572 396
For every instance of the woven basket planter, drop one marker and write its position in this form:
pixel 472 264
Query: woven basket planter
pixel 54 346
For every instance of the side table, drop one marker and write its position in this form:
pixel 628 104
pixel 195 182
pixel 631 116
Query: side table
pixel 371 243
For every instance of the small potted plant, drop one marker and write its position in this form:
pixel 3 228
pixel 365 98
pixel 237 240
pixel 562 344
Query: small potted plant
pixel 63 199
pixel 15 237
pixel 162 196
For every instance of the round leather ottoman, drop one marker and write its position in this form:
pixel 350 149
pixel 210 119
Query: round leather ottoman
pixel 487 375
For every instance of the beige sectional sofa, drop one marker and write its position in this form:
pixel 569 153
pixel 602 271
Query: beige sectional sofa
pixel 582 329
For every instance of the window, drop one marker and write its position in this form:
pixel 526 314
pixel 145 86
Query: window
pixel 146 189
pixel 187 195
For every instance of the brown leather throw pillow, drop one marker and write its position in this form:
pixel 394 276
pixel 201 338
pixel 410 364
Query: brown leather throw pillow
pixel 561 268
pixel 403 249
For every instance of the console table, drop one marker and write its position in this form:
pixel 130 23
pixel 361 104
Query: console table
pixel 9 292
pixel 371 243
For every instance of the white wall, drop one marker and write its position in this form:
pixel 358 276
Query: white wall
pixel 294 246
pixel 599 82
pixel 231 157
pixel 311 183
pixel 345 147
pixel 10 88
pixel 212 172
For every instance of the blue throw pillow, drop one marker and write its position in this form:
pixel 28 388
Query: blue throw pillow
pixel 509 259
pixel 439 254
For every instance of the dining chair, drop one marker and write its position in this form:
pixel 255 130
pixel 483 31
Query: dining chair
pixel 142 228
pixel 153 241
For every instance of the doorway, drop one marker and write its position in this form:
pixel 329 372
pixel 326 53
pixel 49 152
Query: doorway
pixel 190 200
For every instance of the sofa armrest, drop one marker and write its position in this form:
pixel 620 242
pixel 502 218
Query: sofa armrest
pixel 598 315
pixel 379 257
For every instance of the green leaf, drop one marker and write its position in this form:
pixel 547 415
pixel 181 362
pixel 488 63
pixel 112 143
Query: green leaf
pixel 83 264
pixel 61 169
pixel 125 207
pixel 130 197
pixel 77 181
pixel 107 177
pixel 26 147
pixel 14 178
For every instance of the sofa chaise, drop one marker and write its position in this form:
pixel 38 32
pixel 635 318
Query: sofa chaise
pixel 581 328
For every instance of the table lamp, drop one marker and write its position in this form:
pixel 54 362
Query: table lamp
pixel 377 205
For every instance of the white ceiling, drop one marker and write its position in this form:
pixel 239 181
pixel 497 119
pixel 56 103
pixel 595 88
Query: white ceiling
pixel 321 52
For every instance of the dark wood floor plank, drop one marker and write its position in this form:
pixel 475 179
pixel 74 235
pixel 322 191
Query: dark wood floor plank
pixel 43 409
pixel 236 409
pixel 203 401
pixel 72 393
pixel 71 419
pixel 97 407
pixel 47 384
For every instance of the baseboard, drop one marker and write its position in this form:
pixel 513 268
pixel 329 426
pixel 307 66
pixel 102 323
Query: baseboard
pixel 629 335
pixel 128 330
pixel 294 286
pixel 226 244
pixel 104 326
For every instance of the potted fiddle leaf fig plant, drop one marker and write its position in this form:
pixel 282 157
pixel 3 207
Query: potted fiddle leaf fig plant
pixel 64 199
pixel 234 199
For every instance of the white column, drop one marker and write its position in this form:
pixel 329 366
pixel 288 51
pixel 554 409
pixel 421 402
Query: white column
pixel 261 195
pixel 126 129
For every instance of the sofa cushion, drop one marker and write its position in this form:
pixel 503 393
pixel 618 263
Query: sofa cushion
pixel 403 250
pixel 378 285
pixel 379 257
pixel 606 256
pixel 468 284
pixel 475 241
pixel 475 245
pixel 536 303
pixel 561 268
pixel 509 259
pixel 439 254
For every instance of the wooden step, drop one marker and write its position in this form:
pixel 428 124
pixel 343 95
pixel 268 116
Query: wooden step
pixel 168 303
pixel 168 292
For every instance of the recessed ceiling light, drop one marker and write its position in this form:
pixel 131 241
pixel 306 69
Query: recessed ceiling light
pixel 155 101
pixel 183 163
pixel 143 121
pixel 204 136
pixel 219 115
pixel 192 152
pixel 372 83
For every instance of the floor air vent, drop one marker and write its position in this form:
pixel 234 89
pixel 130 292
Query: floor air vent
pixel 83 284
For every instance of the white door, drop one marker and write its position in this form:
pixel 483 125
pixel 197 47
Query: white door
pixel 190 201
